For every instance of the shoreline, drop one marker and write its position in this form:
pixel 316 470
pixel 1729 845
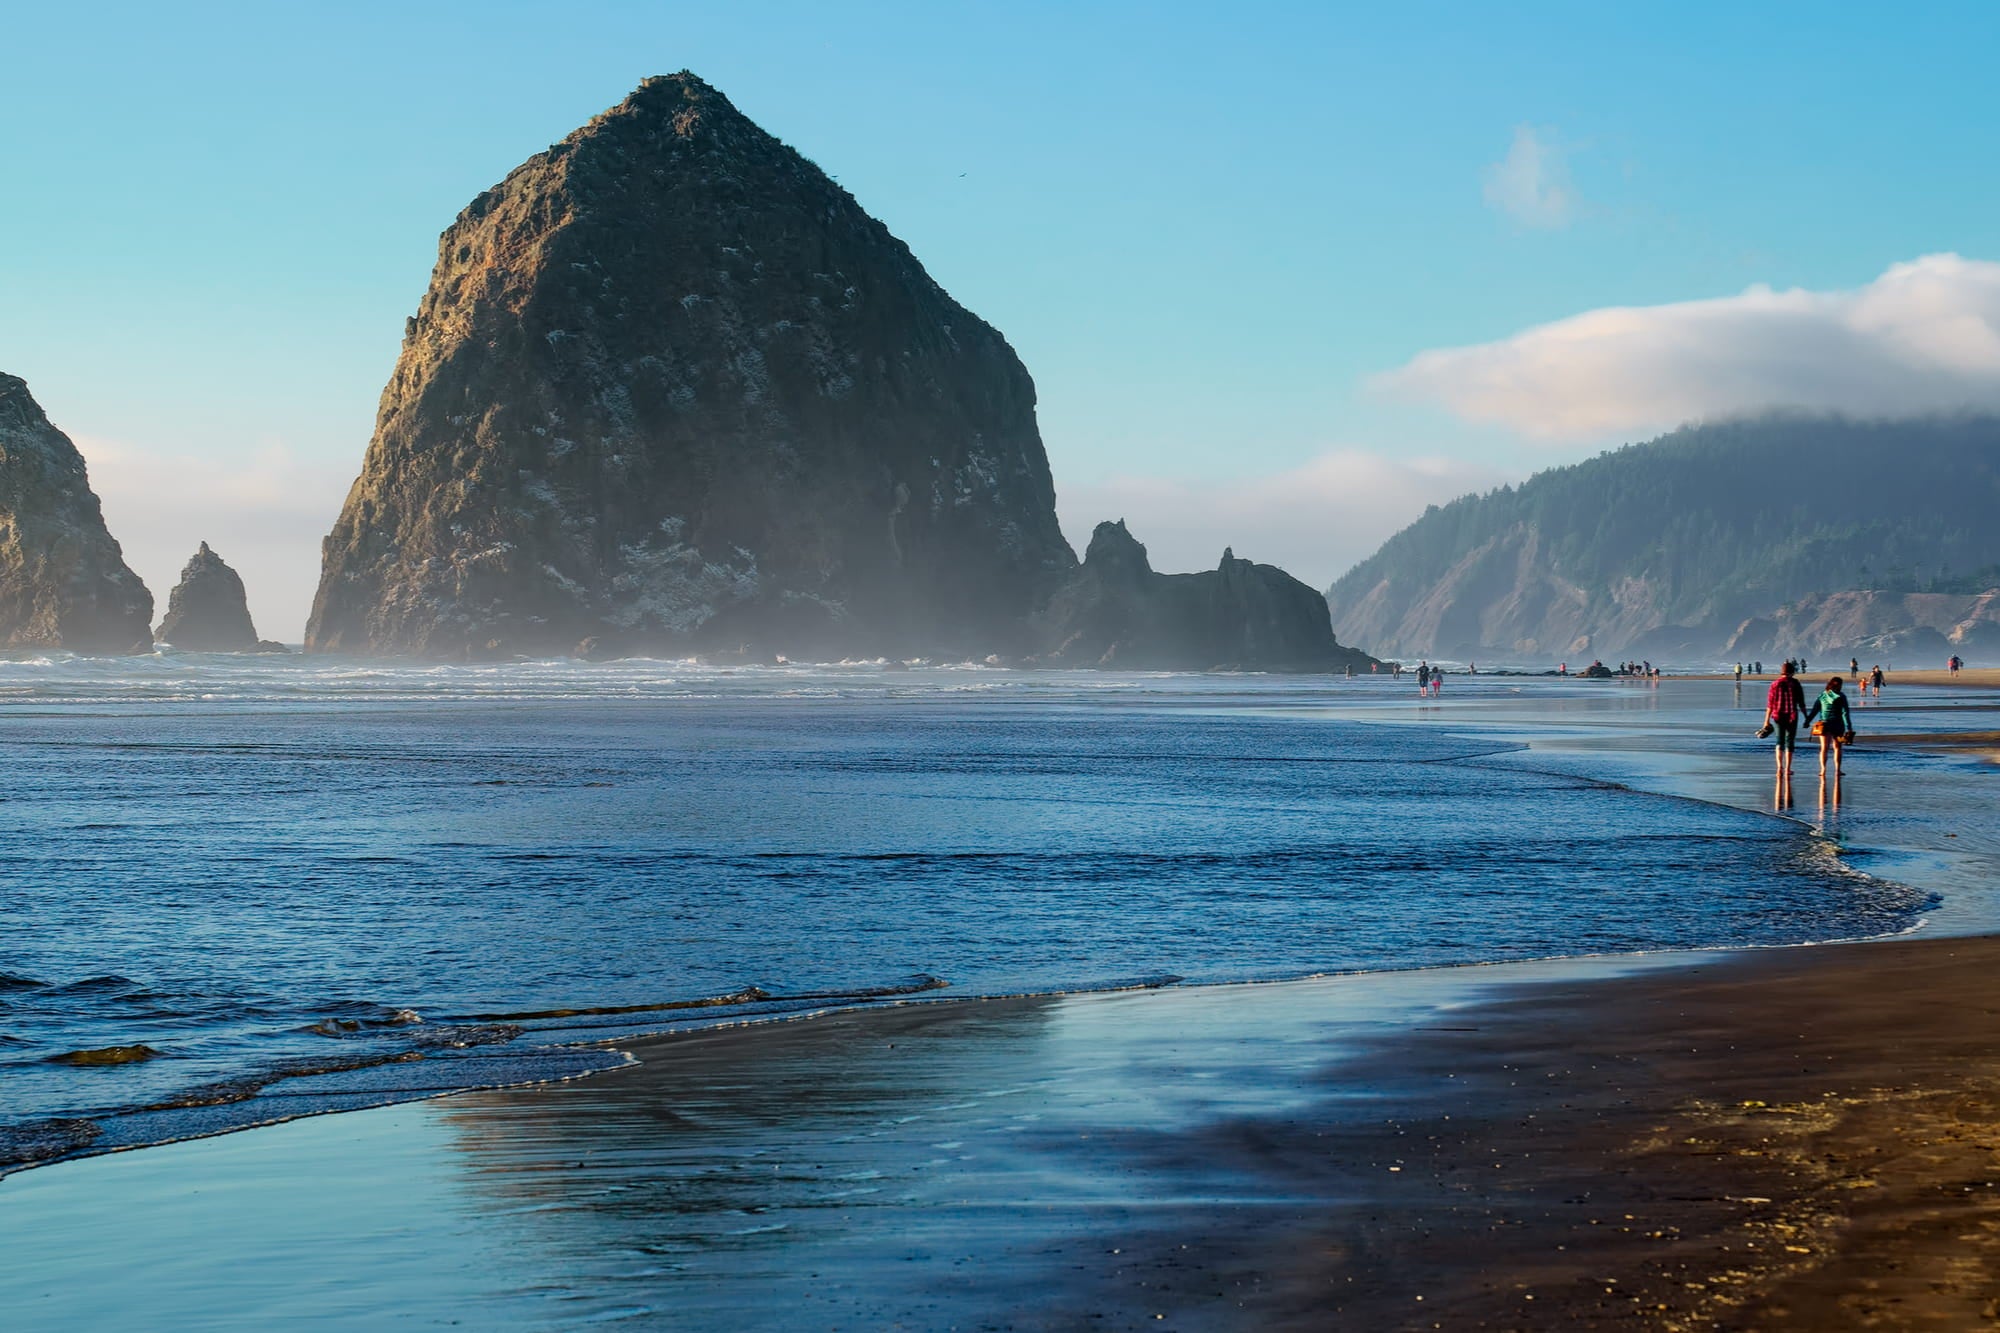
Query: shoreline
pixel 1742 1144
pixel 1969 677
pixel 1257 1154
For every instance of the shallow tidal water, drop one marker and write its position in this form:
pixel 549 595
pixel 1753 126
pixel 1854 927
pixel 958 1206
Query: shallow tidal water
pixel 298 884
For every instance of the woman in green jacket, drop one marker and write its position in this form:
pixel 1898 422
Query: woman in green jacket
pixel 1835 725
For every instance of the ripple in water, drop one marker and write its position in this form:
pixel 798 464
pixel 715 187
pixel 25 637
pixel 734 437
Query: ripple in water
pixel 380 881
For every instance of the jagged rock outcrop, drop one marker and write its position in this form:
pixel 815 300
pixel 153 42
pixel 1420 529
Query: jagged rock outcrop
pixel 63 580
pixel 207 611
pixel 1117 612
pixel 671 389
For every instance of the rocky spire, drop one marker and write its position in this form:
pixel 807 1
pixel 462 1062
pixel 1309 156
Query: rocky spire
pixel 63 580
pixel 207 611
pixel 672 389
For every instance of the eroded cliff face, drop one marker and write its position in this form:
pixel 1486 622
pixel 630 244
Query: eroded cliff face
pixel 671 389
pixel 207 611
pixel 1500 597
pixel 1907 629
pixel 63 580
pixel 1117 612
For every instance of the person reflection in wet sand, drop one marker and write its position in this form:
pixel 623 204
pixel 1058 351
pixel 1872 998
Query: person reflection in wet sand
pixel 1781 790
pixel 1824 789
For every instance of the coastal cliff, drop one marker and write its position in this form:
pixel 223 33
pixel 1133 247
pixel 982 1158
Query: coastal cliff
pixel 1117 612
pixel 63 579
pixel 672 390
pixel 1789 534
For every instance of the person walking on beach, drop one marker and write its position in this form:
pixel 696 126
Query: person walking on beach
pixel 1783 703
pixel 1876 676
pixel 1834 725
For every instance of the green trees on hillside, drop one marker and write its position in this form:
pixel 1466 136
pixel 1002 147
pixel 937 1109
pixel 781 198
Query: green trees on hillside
pixel 1737 518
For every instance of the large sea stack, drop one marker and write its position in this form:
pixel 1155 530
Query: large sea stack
pixel 671 389
pixel 63 580
pixel 1117 612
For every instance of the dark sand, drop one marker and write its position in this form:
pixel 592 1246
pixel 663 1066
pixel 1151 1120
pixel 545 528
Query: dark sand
pixel 1799 1139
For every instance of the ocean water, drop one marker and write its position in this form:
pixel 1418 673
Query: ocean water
pixel 237 889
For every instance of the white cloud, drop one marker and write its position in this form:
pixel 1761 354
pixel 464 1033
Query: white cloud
pixel 1923 337
pixel 264 514
pixel 1531 184
pixel 1315 521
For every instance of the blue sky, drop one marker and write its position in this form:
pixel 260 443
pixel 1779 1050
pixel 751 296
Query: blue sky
pixel 1221 237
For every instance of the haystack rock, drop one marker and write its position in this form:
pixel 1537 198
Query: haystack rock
pixel 671 389
pixel 63 580
pixel 207 611
pixel 1117 612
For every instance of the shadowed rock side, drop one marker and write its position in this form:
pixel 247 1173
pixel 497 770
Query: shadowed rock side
pixel 63 580
pixel 1117 612
pixel 671 389
pixel 207 611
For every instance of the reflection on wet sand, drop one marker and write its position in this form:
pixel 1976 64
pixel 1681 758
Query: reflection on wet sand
pixel 865 1167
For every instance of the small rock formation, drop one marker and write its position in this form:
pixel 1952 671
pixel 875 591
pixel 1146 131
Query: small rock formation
pixel 671 389
pixel 63 580
pixel 207 611
pixel 1117 612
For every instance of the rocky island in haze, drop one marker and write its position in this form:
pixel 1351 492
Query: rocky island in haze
pixel 1756 538
pixel 63 579
pixel 207 611
pixel 672 391
pixel 1117 612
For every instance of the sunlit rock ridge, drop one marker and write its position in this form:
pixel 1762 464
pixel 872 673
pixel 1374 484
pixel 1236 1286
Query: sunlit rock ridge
pixel 671 389
pixel 63 580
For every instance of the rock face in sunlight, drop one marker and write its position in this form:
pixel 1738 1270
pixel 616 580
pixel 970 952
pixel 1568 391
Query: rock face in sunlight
pixel 63 580
pixel 1117 612
pixel 207 612
pixel 672 390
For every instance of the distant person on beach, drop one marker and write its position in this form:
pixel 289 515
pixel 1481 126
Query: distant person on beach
pixel 1835 725
pixel 1954 664
pixel 1854 667
pixel 1423 677
pixel 1783 703
pixel 1876 676
pixel 1739 673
